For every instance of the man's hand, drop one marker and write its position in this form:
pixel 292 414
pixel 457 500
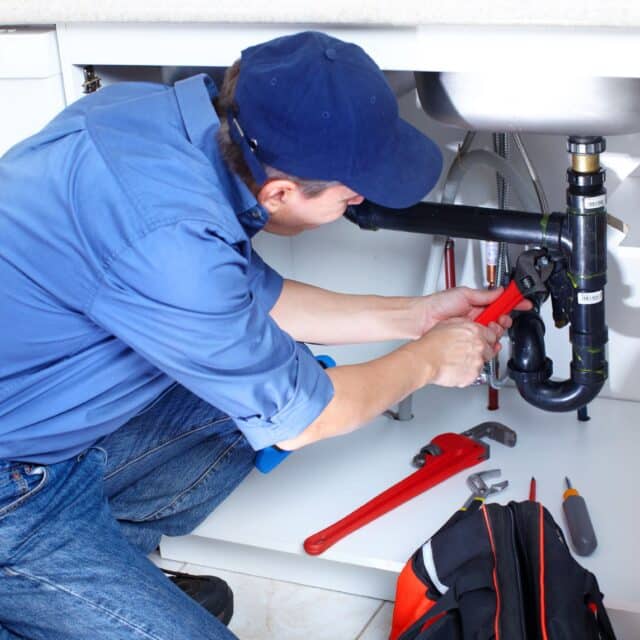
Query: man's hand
pixel 451 354
pixel 454 351
pixel 462 302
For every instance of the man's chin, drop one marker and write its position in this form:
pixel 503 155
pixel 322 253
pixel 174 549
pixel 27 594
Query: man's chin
pixel 289 231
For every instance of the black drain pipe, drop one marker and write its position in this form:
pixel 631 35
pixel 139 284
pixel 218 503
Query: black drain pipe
pixel 461 221
pixel 585 250
pixel 575 239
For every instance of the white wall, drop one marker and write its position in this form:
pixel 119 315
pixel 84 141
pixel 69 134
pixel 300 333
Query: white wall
pixel 345 258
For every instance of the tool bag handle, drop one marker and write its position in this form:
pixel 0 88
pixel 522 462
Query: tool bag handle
pixel 602 618
pixel 448 602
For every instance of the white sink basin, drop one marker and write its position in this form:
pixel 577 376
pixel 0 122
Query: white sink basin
pixel 525 102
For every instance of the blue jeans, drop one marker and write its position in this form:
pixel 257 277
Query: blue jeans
pixel 74 535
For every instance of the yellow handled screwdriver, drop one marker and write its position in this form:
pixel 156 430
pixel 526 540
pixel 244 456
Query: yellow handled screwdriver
pixel 581 530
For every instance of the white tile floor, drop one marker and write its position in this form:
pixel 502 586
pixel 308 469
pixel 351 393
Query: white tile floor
pixel 271 610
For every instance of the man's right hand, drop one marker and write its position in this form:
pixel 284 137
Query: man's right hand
pixel 455 351
pixel 450 354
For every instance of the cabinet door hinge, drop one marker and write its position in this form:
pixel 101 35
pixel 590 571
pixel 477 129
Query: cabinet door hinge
pixel 91 80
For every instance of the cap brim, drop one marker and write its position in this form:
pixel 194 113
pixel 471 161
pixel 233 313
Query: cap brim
pixel 405 173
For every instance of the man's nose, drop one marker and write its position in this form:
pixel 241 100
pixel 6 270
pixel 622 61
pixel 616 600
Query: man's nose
pixel 355 200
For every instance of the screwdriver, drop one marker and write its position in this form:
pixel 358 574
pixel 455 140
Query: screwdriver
pixel 578 521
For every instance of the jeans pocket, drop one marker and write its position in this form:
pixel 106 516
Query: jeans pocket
pixel 20 483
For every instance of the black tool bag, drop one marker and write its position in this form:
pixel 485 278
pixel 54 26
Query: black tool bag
pixel 498 572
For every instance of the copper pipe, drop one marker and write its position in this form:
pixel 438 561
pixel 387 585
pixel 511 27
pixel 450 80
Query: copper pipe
pixel 449 264
pixel 493 404
pixel 492 277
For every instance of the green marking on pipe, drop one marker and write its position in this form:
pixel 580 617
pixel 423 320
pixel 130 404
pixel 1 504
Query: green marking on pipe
pixel 544 223
pixel 590 350
pixel 574 279
pixel 599 372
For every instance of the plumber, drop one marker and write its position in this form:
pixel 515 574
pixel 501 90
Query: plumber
pixel 147 351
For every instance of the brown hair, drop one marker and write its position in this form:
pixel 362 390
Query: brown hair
pixel 232 153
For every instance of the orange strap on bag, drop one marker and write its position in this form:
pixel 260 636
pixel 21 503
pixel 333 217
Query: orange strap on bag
pixel 412 601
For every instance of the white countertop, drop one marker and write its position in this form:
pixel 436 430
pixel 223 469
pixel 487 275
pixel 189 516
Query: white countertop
pixel 587 13
pixel 320 484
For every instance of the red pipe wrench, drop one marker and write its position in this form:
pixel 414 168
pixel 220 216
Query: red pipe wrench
pixel 446 455
pixel 532 270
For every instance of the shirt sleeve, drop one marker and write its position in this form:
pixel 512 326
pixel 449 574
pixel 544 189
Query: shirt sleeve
pixel 264 281
pixel 188 302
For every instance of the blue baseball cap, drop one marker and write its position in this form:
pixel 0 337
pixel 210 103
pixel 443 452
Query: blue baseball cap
pixel 320 108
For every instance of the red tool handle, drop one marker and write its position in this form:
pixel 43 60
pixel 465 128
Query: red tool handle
pixel 458 452
pixel 504 305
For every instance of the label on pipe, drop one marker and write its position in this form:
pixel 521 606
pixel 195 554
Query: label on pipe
pixel 590 297
pixel 595 202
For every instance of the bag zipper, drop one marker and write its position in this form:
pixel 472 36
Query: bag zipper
pixel 516 564
pixel 496 585
pixel 541 556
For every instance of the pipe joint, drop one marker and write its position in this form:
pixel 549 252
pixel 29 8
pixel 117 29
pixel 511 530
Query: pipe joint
pixel 589 341
pixel 590 378
pixel 527 379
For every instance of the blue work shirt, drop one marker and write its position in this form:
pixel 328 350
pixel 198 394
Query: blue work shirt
pixel 125 265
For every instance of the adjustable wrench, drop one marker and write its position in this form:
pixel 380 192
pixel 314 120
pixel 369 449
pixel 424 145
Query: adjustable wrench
pixel 533 269
pixel 446 455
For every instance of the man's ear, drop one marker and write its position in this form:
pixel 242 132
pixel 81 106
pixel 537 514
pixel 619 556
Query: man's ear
pixel 275 193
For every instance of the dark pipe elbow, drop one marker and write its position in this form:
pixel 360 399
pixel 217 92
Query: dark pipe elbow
pixel 558 396
pixel 531 370
pixel 527 337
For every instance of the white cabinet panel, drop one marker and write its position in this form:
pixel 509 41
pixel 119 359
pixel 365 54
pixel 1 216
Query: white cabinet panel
pixel 31 89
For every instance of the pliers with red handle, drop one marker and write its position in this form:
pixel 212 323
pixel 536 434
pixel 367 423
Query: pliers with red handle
pixel 530 275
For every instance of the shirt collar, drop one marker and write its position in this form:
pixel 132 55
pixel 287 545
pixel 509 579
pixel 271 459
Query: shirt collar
pixel 252 216
pixel 194 96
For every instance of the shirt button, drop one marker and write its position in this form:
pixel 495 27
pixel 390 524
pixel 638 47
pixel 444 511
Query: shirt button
pixel 256 214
